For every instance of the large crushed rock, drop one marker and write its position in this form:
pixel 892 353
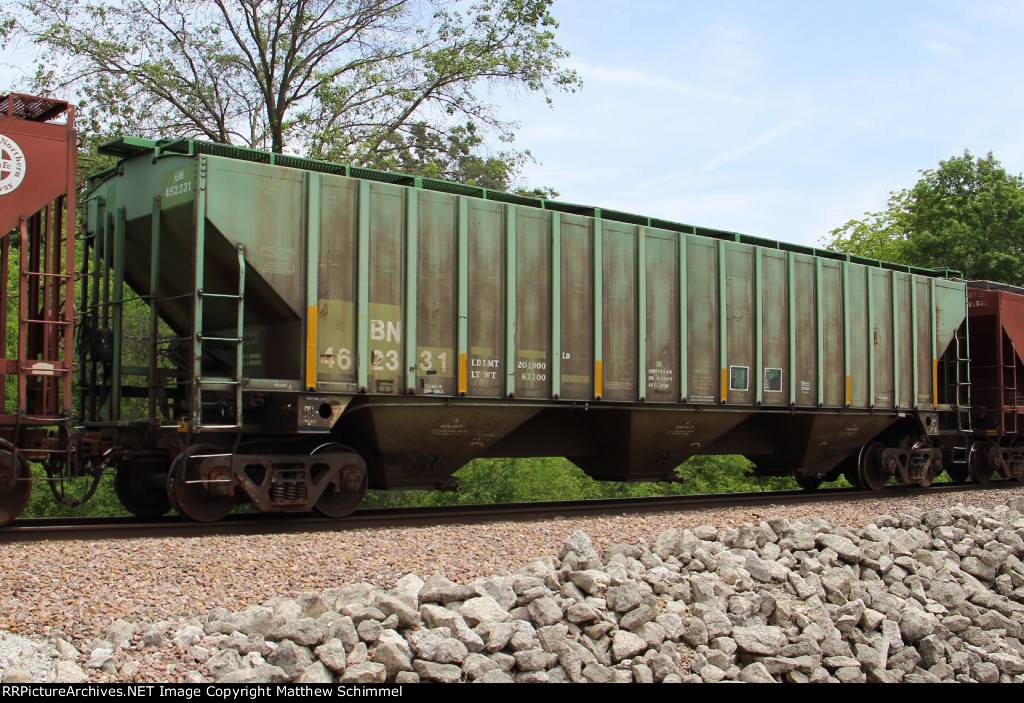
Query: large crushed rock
pixel 23 661
pixel 912 597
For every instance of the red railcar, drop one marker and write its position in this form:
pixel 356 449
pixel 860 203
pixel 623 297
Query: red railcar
pixel 38 161
pixel 996 320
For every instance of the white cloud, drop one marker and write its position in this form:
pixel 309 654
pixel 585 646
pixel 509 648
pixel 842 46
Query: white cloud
pixel 940 47
pixel 745 149
pixel 632 77
pixel 921 134
pixel 1011 11
pixel 945 38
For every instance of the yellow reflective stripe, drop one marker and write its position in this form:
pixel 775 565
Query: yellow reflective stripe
pixel 598 379
pixel 462 373
pixel 311 319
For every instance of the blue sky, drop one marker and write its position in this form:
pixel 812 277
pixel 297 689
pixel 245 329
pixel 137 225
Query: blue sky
pixel 778 119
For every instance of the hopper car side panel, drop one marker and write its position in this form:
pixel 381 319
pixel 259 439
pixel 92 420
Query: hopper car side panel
pixel 511 302
pixel 431 327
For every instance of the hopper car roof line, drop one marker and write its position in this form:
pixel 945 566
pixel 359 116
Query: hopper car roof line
pixel 129 147
pixel 995 285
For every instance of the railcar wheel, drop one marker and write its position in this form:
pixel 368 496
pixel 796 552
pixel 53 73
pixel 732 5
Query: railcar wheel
pixel 202 496
pixel 352 484
pixel 979 463
pixel 809 483
pixel 14 491
pixel 870 472
pixel 141 486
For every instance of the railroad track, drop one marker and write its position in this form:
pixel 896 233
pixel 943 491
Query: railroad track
pixel 40 529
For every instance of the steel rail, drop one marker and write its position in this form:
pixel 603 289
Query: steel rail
pixel 95 528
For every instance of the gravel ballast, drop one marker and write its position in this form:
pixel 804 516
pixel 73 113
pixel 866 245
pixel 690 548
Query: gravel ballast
pixel 681 596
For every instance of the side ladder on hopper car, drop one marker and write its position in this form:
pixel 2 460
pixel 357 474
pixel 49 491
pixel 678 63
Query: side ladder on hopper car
pixel 225 387
pixel 957 372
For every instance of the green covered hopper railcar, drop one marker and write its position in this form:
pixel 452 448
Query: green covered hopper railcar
pixel 295 331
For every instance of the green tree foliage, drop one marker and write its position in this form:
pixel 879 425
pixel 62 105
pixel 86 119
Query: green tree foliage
pixel 967 215
pixel 368 82
pixel 486 481
pixel 727 474
pixel 90 160
pixel 453 156
pixel 6 23
pixel 11 322
pixel 518 480
pixel 103 502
